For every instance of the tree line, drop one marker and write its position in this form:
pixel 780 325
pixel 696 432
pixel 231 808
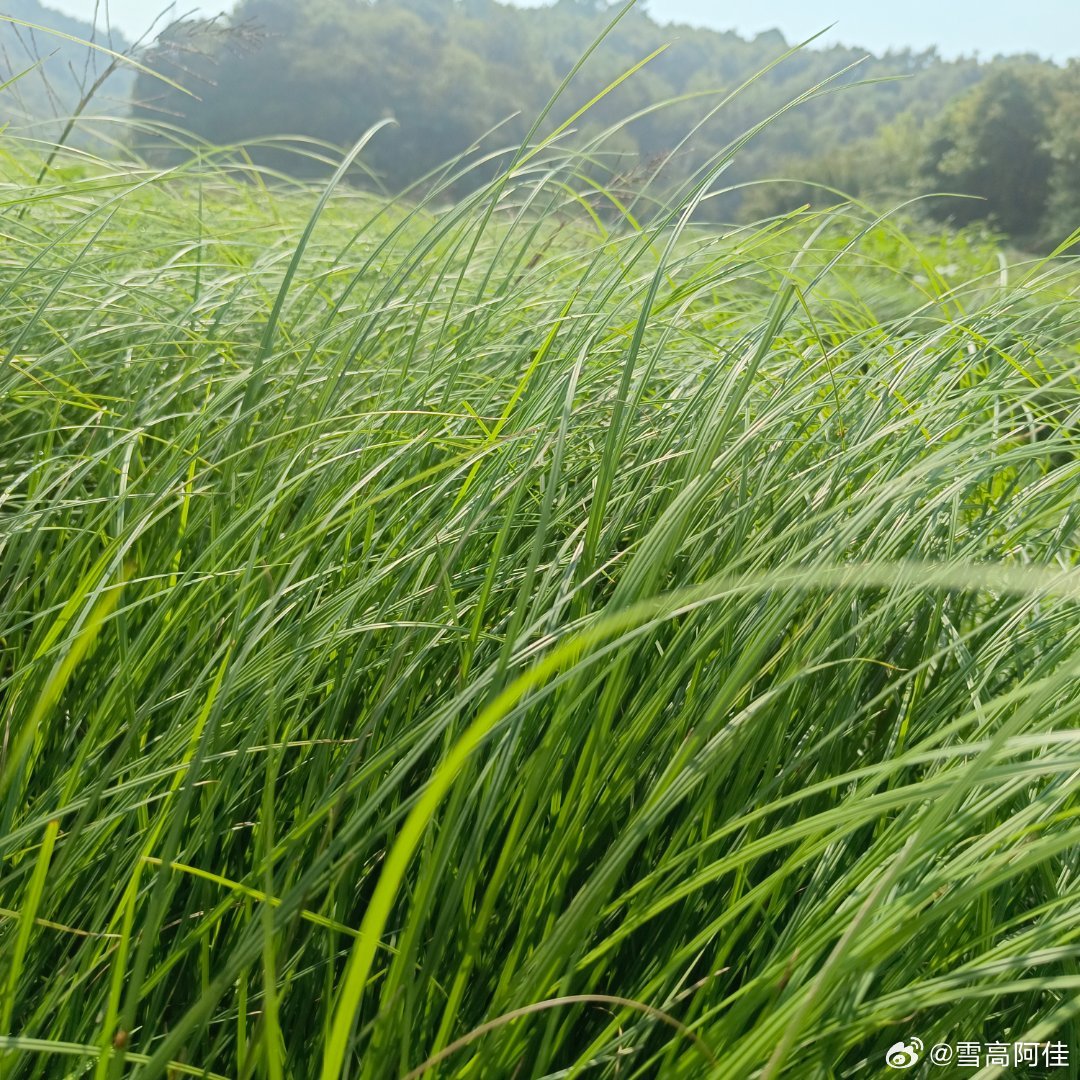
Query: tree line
pixel 456 74
pixel 1006 151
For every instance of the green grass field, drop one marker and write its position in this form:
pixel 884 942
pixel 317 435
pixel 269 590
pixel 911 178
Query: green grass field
pixel 480 640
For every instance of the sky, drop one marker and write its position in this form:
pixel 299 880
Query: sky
pixel 957 27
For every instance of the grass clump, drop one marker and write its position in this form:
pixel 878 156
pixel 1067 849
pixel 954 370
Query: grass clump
pixel 489 642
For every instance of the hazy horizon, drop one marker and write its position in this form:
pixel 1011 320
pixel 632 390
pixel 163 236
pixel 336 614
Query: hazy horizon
pixel 1050 28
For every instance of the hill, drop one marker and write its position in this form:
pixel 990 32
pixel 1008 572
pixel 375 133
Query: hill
pixel 464 79
pixel 461 74
pixel 448 72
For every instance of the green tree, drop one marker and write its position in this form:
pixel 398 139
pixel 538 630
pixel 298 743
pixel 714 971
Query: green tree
pixel 450 70
pixel 993 143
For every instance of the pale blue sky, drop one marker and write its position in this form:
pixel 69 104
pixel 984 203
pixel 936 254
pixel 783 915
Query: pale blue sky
pixel 1047 27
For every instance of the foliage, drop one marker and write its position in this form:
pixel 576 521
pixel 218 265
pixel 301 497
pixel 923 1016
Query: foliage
pixel 1009 146
pixel 465 77
pixel 449 72
pixel 992 143
pixel 482 632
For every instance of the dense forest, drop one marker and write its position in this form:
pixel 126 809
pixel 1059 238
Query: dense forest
pixel 450 71
pixel 468 77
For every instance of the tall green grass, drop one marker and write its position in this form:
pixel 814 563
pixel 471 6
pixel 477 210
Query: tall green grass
pixel 478 639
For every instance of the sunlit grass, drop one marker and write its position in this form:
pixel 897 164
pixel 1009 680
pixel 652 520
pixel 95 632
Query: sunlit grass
pixel 479 639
